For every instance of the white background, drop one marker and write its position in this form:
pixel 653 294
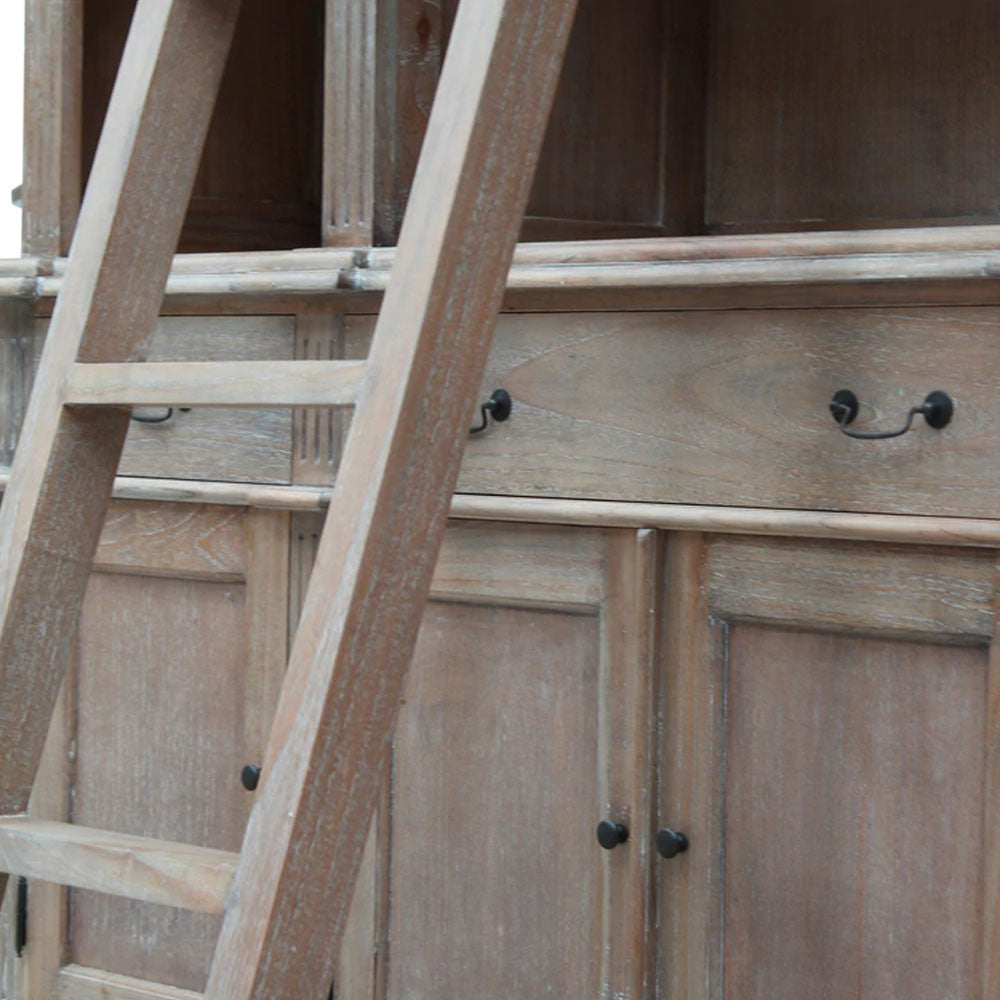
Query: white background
pixel 11 123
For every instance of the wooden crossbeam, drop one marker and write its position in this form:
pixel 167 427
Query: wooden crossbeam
pixel 154 871
pixel 217 383
pixel 129 224
pixel 332 735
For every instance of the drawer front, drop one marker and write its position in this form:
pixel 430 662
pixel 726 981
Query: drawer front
pixel 733 408
pixel 242 445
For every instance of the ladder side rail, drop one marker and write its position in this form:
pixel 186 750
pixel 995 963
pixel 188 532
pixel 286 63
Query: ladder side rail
pixel 65 463
pixel 332 734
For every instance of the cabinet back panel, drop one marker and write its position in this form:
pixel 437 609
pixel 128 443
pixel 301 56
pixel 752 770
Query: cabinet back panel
pixel 258 186
pixel 854 814
pixel 841 112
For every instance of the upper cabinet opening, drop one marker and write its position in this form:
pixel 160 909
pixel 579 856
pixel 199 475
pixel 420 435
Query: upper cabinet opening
pixel 673 117
pixel 687 117
pixel 259 185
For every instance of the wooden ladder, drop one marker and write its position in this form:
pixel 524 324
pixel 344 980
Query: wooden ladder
pixel 286 895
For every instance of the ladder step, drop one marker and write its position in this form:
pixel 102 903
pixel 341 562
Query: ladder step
pixel 216 383
pixel 154 871
pixel 77 982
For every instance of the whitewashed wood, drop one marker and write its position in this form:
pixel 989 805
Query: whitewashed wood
pixel 77 982
pixel 65 463
pixel 185 624
pixel 207 383
pixel 376 557
pixel 892 528
pixel 732 408
pixel 873 588
pixel 776 271
pixel 220 443
pixel 155 871
pixel 52 104
pixel 349 122
pixel 16 346
pixel 318 431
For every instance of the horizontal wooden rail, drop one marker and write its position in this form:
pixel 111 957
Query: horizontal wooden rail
pixel 963 532
pixel 772 261
pixel 217 383
pixel 76 982
pixel 153 871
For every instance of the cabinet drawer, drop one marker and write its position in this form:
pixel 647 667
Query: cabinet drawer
pixel 244 445
pixel 733 408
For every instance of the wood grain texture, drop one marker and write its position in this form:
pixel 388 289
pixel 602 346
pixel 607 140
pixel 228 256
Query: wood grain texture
pixel 52 121
pixel 319 431
pixel 51 799
pixel 732 409
pixel 841 755
pixel 376 557
pixel 349 122
pixel 259 180
pixel 76 982
pixel 880 589
pixel 176 652
pixel 209 383
pixel 65 463
pixel 953 532
pixel 154 871
pixel 182 651
pixel 777 270
pixel 252 445
pixel 486 865
pixel 852 113
pixel 991 823
pixel 190 543
pixel 689 891
pixel 16 348
pixel 626 729
pixel 521 565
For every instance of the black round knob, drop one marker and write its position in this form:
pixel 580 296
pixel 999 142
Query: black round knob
pixel 670 843
pixel 250 777
pixel 610 835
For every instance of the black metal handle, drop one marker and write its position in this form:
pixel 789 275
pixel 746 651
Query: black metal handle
pixel 250 777
pixel 498 406
pixel 611 834
pixel 937 410
pixel 140 419
pixel 670 843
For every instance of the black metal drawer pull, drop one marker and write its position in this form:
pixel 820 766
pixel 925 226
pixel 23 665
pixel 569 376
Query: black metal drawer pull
pixel 670 843
pixel 141 419
pixel 497 406
pixel 937 410
pixel 610 834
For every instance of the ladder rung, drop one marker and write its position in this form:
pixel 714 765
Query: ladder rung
pixel 154 871
pixel 217 383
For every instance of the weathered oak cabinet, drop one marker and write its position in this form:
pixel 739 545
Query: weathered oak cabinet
pixel 674 593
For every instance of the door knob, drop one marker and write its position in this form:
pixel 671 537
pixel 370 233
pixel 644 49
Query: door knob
pixel 610 835
pixel 670 843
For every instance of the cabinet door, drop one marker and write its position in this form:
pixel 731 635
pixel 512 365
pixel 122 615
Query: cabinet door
pixel 527 720
pixel 179 658
pixel 829 748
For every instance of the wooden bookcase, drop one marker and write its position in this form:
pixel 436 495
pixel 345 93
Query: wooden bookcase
pixel 673 594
